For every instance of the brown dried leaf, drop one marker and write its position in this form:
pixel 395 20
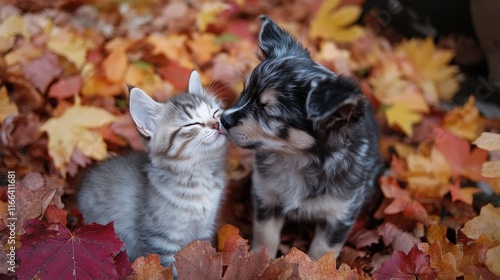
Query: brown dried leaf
pixel 246 266
pixel 487 223
pixel 42 71
pixel 149 267
pixel 198 260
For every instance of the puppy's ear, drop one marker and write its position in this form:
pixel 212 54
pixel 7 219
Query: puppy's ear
pixel 276 42
pixel 144 111
pixel 333 95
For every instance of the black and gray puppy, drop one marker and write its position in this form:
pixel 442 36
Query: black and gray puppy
pixel 316 143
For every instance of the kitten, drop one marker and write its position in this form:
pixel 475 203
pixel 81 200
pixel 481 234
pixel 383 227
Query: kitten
pixel 316 143
pixel 167 197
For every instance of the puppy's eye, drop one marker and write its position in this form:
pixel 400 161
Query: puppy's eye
pixel 193 124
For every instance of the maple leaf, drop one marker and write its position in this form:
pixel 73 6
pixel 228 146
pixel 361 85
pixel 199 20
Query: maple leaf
pixel 428 176
pixel 401 115
pixel 210 47
pixel 398 239
pixel 458 155
pixel 492 257
pixel 413 265
pixel 6 107
pixel 72 129
pixel 437 78
pixel 246 266
pixel 51 251
pixel 149 267
pixel 402 201
pixel 465 195
pixel 208 14
pixel 198 260
pixel 465 121
pixel 55 215
pixel 445 263
pixel 66 87
pixel 437 232
pixel 335 23
pixel 488 141
pixel 142 74
pixel 487 223
pixel 70 45
pixel 172 47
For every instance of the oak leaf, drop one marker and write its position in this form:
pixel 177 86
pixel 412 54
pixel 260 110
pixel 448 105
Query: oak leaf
pixel 87 253
pixel 413 265
pixel 335 23
pixel 487 223
pixel 149 267
pixel 73 129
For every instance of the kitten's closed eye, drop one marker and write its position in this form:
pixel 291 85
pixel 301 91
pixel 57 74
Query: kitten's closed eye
pixel 193 124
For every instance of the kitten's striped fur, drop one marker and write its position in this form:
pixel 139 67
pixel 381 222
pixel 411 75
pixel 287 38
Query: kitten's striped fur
pixel 169 196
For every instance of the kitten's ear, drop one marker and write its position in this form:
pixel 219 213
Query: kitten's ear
pixel 144 111
pixel 276 42
pixel 333 95
pixel 194 84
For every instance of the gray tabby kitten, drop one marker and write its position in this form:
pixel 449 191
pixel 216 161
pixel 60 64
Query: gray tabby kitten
pixel 169 196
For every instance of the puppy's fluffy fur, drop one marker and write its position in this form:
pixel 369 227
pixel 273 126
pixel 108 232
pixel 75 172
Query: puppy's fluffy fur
pixel 316 143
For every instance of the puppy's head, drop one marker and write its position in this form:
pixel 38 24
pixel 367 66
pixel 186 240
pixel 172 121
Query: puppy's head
pixel 287 97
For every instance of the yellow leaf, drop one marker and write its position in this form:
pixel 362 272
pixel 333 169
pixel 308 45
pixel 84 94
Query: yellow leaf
pixel 203 47
pixel 492 257
pixel 487 223
pixel 208 14
pixel 465 122
pixel 172 47
pixel 434 74
pixel 488 141
pixel 491 169
pixel 400 114
pixel 70 45
pixel 142 75
pixel 6 107
pixel 12 26
pixel 333 23
pixel 428 176
pixel 72 129
pixel 116 62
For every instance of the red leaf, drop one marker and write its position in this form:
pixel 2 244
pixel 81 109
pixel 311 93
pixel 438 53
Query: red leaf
pixel 175 74
pixel 55 215
pixel 42 71
pixel 51 251
pixel 415 265
pixel 400 240
pixel 66 87
pixel 454 149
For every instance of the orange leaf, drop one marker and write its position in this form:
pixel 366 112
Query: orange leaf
pixel 465 121
pixel 56 215
pixel 149 267
pixel 444 262
pixel 463 194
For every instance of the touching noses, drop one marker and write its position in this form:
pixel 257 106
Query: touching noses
pixel 227 121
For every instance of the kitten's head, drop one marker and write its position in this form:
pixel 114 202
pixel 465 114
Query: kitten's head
pixel 183 127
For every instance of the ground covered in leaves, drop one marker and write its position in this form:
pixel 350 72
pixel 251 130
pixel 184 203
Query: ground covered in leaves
pixel 63 102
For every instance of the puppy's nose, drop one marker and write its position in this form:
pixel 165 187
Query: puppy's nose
pixel 226 121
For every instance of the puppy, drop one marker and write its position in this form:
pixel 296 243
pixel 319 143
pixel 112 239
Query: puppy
pixel 316 143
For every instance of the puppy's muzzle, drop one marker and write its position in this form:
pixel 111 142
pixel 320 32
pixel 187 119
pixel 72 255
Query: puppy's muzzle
pixel 227 121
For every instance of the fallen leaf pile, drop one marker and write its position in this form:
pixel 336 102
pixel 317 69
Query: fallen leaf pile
pixel 63 107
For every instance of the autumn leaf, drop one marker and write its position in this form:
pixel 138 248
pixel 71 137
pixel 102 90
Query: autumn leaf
pixel 445 263
pixel 42 71
pixel 401 115
pixel 67 87
pixel 402 201
pixel 487 223
pixel 488 141
pixel 395 237
pixel 428 176
pixel 465 195
pixel 335 23
pixel 6 107
pixel 208 14
pixel 210 47
pixel 86 253
pixel 172 47
pixel 70 45
pixel 55 215
pixel 434 74
pixel 492 257
pixel 149 267
pixel 413 265
pixel 246 266
pixel 198 260
pixel 465 122
pixel 72 129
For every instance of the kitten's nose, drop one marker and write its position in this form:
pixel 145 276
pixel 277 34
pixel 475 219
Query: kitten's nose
pixel 215 125
pixel 226 121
